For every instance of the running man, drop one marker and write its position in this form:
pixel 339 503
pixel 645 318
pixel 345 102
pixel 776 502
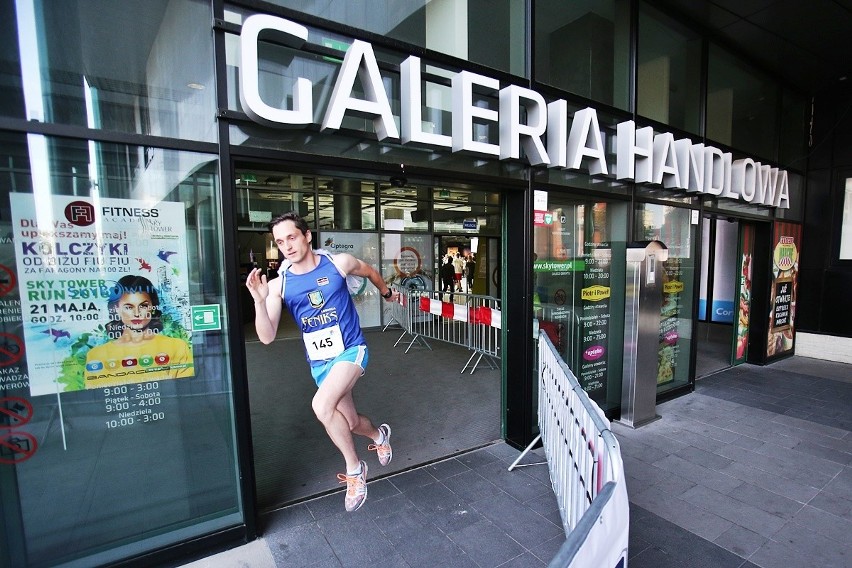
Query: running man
pixel 313 285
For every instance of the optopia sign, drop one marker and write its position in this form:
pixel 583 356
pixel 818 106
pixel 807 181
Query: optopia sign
pixel 641 155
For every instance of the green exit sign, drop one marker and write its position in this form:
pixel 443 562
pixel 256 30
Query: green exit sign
pixel 206 317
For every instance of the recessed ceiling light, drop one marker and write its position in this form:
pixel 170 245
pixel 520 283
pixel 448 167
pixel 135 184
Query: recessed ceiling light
pixel 196 86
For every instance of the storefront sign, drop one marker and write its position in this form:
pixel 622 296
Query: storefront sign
pixel 594 321
pixel 669 349
pixel 642 156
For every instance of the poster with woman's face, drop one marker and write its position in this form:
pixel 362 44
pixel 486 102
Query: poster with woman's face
pixel 104 291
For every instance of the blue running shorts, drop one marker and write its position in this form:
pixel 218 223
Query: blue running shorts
pixel 358 355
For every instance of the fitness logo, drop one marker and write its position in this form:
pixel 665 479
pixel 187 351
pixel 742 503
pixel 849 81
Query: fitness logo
pixel 80 213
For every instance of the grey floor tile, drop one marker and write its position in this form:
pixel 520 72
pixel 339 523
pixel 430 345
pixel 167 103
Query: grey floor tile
pixel 765 500
pixel 737 512
pixel 516 482
pixel 524 525
pixel 834 504
pixel 815 547
pixel 470 486
pixel 356 540
pixel 412 479
pixel 795 490
pixel 682 513
pixel 446 468
pixel 788 553
pixel 285 518
pixel 486 544
pixel 698 474
pixel 841 484
pixel 825 524
pixel 740 541
pixel 302 545
pixel 703 458
pixel 547 550
pixel 443 508
pixel 525 560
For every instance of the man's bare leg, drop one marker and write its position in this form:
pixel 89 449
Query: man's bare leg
pixel 334 408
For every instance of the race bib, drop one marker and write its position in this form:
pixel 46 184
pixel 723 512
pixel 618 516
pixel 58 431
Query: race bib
pixel 324 344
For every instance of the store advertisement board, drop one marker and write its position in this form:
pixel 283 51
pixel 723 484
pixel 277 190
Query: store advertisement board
pixel 743 320
pixel 104 291
pixel 366 247
pixel 785 276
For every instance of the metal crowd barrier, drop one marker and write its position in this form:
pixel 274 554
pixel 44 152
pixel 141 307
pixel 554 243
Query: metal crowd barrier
pixel 585 465
pixel 469 321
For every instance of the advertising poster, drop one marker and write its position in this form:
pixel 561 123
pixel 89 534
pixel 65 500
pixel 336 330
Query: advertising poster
pixel 408 261
pixel 669 350
pixel 785 276
pixel 104 291
pixel 744 293
pixel 366 247
pixel 594 337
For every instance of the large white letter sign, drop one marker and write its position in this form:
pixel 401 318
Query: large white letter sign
pixel 690 163
pixel 376 103
pixel 714 171
pixel 635 148
pixel 511 128
pixel 782 196
pixel 557 133
pixel 410 113
pixel 585 142
pixel 464 111
pixel 665 166
pixel 294 36
pixel 744 178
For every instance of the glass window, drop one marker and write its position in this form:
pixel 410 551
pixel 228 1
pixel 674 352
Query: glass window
pixel 672 226
pixel 846 223
pixel 794 112
pixel 130 421
pixel 584 47
pixel 351 206
pixel 264 195
pixel 461 28
pixel 578 288
pixel 463 211
pixel 669 73
pixel 742 105
pixel 70 63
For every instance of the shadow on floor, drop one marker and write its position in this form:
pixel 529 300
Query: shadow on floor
pixel 433 409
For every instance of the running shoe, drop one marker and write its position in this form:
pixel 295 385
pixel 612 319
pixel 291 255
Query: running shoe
pixel 356 488
pixel 383 450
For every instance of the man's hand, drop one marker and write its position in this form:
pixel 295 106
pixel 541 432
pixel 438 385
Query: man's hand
pixel 394 297
pixel 257 285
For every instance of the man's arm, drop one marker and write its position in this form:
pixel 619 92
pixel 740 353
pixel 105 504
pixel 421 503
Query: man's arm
pixel 357 267
pixel 267 306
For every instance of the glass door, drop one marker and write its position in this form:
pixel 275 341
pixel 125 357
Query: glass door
pixel 578 288
pixel 676 228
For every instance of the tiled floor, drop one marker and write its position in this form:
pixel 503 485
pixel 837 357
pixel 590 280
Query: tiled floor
pixel 753 469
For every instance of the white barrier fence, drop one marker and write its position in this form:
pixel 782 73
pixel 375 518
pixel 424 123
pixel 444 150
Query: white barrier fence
pixel 470 321
pixel 585 466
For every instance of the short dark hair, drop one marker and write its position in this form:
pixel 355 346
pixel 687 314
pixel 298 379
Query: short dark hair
pixel 300 223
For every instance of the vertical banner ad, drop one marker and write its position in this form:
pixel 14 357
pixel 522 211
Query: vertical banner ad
pixel 596 310
pixel 669 350
pixel 785 278
pixel 104 291
pixel 743 319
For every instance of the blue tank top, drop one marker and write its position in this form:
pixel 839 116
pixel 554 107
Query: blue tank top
pixel 319 302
